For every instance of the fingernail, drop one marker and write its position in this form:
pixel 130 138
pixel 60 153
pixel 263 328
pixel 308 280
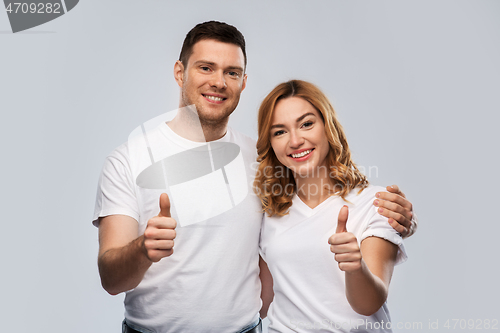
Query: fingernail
pixel 380 210
pixel 377 195
pixel 375 202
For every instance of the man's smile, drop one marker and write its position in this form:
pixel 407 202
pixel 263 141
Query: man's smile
pixel 214 98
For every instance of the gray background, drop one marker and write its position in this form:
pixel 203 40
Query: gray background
pixel 415 84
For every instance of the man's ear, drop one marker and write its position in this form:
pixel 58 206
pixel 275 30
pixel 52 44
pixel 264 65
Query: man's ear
pixel 179 73
pixel 244 82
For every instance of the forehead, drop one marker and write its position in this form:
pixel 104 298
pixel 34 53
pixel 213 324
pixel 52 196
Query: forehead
pixel 220 53
pixel 291 108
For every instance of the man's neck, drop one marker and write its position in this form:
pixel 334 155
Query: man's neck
pixel 187 125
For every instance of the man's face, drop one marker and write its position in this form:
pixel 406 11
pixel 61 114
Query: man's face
pixel 212 80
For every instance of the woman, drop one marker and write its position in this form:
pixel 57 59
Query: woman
pixel 306 178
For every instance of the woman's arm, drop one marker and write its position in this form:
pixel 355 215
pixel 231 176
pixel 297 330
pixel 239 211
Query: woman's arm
pixel 267 293
pixel 368 270
pixel 367 288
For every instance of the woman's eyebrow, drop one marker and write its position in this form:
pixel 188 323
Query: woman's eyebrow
pixel 299 119
pixel 276 125
pixel 304 115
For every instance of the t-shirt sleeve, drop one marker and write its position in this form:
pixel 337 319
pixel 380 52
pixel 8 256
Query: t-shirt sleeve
pixel 116 188
pixel 378 226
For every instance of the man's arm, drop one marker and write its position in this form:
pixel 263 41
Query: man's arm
pixel 124 256
pixel 397 209
pixel 122 263
pixel 267 293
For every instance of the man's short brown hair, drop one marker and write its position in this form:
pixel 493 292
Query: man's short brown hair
pixel 218 31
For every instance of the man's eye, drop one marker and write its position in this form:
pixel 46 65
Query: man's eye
pixel 234 74
pixel 205 68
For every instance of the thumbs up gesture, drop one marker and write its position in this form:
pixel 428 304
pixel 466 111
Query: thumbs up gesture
pixel 159 235
pixel 345 245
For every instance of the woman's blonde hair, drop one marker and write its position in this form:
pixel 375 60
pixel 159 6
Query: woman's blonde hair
pixel 274 183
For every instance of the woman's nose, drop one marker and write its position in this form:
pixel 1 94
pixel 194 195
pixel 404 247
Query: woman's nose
pixel 296 140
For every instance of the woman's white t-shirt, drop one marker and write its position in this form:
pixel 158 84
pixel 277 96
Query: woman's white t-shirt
pixel 309 287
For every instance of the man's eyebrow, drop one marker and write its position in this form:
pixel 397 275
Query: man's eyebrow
pixel 235 68
pixel 299 119
pixel 204 62
pixel 211 63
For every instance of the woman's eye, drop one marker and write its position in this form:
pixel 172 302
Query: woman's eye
pixel 278 133
pixel 307 124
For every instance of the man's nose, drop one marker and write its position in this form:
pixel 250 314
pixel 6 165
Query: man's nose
pixel 218 80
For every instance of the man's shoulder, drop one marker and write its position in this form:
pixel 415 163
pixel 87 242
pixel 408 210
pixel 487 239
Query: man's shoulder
pixel 246 144
pixel 242 139
pixel 119 153
pixel 133 151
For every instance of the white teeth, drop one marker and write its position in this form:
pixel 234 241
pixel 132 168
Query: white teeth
pixel 304 153
pixel 214 98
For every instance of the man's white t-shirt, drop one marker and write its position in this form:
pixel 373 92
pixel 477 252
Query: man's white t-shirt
pixel 309 287
pixel 211 281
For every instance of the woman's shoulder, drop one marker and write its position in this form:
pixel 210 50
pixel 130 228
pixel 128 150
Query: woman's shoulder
pixel 359 194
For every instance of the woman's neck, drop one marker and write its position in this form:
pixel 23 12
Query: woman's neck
pixel 313 190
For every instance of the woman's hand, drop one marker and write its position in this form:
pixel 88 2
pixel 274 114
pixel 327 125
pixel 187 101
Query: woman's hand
pixel 345 245
pixel 366 279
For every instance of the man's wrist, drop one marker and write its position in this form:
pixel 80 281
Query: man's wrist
pixel 413 226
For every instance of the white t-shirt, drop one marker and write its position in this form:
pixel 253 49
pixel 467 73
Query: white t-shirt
pixel 211 281
pixel 309 287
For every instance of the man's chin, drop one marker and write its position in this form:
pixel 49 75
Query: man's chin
pixel 214 120
pixel 213 116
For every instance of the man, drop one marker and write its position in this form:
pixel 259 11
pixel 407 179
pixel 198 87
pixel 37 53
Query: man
pixel 211 283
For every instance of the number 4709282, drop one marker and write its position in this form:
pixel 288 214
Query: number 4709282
pixel 38 8
pixel 478 324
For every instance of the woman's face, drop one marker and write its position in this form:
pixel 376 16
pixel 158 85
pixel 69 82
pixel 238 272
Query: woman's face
pixel 298 137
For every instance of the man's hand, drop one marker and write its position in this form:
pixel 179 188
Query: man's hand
pixel 124 256
pixel 159 235
pixel 345 245
pixel 398 209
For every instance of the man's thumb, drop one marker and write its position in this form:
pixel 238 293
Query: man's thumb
pixel 164 205
pixel 342 220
